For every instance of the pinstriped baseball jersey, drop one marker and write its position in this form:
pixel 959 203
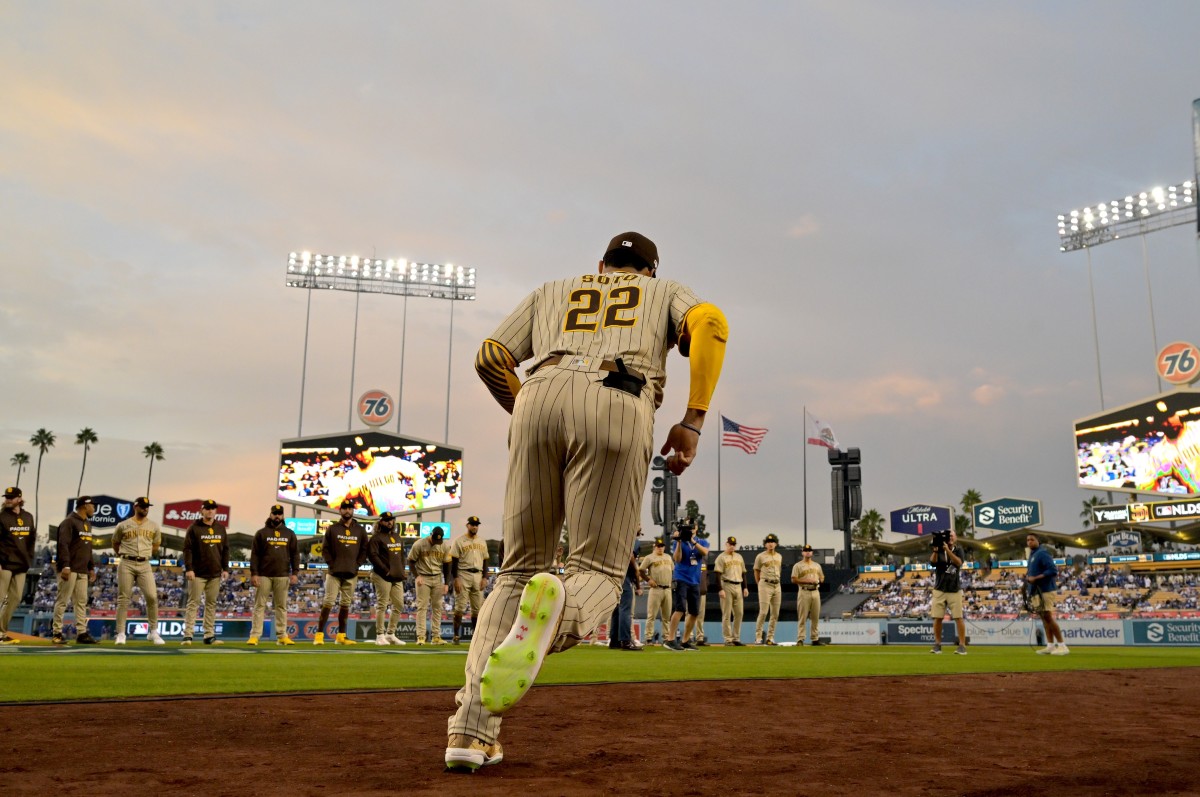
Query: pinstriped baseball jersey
pixel 632 316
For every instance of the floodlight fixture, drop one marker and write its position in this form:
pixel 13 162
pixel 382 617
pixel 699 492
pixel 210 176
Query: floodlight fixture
pixel 397 277
pixel 1137 214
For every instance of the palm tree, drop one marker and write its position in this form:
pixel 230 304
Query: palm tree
pixel 868 529
pixel 968 502
pixel 42 440
pixel 85 438
pixel 1086 514
pixel 152 452
pixel 20 460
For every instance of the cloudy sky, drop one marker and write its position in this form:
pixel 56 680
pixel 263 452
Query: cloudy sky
pixel 868 190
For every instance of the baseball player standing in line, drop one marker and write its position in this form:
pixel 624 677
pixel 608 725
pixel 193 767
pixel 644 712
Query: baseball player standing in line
pixel 468 569
pixel 274 566
pixel 344 549
pixel 429 559
pixel 580 442
pixel 75 570
pixel 698 637
pixel 731 570
pixel 808 575
pixel 18 541
pixel 385 552
pixel 136 541
pixel 768 567
pixel 206 563
pixel 656 568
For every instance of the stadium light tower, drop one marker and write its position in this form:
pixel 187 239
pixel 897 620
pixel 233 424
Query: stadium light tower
pixel 395 277
pixel 1149 211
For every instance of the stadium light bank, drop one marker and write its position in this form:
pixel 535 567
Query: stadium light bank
pixel 392 276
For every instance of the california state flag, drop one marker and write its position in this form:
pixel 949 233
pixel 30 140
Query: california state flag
pixel 821 434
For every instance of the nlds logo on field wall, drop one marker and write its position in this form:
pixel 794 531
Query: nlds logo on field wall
pixel 181 514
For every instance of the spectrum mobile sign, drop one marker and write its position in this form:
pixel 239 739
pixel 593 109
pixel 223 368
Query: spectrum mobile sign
pixel 1008 514
pixel 921 519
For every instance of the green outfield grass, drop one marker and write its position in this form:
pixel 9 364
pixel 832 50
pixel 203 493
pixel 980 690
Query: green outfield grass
pixel 43 673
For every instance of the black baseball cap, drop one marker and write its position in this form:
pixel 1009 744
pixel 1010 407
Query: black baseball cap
pixel 731 540
pixel 83 499
pixel 387 516
pixel 277 509
pixel 770 538
pixel 209 504
pixel 347 504
pixel 143 502
pixel 11 493
pixel 473 520
pixel 437 534
pixel 806 547
pixel 634 243
pixel 658 541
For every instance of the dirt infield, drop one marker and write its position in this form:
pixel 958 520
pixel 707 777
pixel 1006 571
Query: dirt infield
pixel 1130 732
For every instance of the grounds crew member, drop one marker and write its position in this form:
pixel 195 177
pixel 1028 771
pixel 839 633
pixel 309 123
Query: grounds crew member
pixel 385 552
pixel 731 570
pixel 274 566
pixel 468 569
pixel 344 549
pixel 136 541
pixel 75 570
pixel 429 559
pixel 18 539
pixel 808 575
pixel 768 566
pixel 206 563
pixel 656 568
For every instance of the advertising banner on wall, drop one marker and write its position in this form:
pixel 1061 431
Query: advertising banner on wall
pixel 1166 632
pixel 1007 514
pixel 852 633
pixel 110 511
pixel 1093 632
pixel 921 519
pixel 182 514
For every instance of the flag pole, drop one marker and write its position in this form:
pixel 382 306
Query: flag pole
pixel 721 420
pixel 804 445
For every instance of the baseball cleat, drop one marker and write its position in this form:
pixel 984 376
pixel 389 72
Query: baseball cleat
pixel 187 640
pixel 514 664
pixel 212 640
pixel 58 639
pixel 284 640
pixel 381 639
pixel 318 638
pixel 120 639
pixel 252 640
pixel 465 754
pixel 437 640
pixel 156 638
pixel 340 639
pixel 9 640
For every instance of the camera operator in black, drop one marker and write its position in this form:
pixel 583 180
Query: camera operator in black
pixel 947 559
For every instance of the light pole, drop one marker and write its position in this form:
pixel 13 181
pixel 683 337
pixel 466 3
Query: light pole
pixel 395 277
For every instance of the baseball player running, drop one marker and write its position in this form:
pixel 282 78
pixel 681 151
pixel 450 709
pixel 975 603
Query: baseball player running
pixel 580 442
pixel 468 569
pixel 136 541
pixel 274 566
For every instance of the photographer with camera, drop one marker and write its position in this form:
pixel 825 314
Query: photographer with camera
pixel 689 554
pixel 947 559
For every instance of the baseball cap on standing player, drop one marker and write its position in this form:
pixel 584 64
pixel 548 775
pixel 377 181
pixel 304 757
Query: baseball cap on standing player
pixel 806 548
pixel 635 245
pixel 437 534
pixel 473 520
pixel 347 504
pixel 731 540
pixel 143 502
pixel 770 538
pixel 658 542
pixel 11 493
pixel 276 509
pixel 81 500
pixel 209 504
pixel 387 516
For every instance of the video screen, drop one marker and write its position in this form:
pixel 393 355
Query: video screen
pixel 377 471
pixel 1152 446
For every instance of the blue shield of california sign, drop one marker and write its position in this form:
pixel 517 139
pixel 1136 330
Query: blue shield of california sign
pixel 1007 514
pixel 920 519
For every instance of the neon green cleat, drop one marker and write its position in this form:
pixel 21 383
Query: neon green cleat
pixel 514 664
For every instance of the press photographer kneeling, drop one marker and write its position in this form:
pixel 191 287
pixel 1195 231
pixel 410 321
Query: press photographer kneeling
pixel 947 559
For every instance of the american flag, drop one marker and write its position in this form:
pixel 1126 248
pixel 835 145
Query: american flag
pixel 747 438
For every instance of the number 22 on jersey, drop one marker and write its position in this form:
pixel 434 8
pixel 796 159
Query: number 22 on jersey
pixel 591 309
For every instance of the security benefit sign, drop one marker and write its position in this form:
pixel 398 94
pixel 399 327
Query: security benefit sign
pixel 1166 632
pixel 921 519
pixel 1008 514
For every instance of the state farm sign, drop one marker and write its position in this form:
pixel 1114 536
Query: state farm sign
pixel 181 514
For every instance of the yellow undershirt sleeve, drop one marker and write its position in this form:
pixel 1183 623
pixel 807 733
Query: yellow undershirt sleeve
pixel 498 369
pixel 707 332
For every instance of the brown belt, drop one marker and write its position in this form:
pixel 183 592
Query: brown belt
pixel 605 365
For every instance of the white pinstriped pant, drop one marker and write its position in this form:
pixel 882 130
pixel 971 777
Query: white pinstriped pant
pixel 578 451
